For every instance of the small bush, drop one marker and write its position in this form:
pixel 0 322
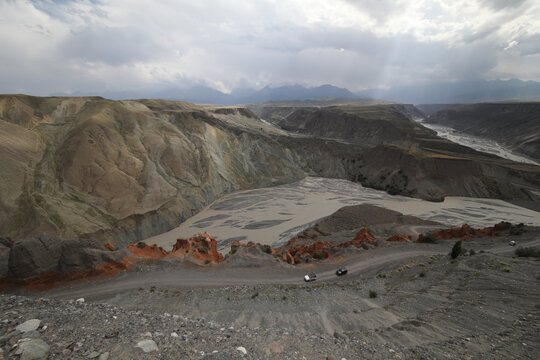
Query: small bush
pixel 507 269
pixel 267 249
pixel 254 295
pixel 431 239
pixel 528 252
pixel 422 274
pixel 207 262
pixel 372 294
pixel 472 252
pixel 141 244
pixel 319 255
pixel 456 250
pixel 234 250
pixel 284 298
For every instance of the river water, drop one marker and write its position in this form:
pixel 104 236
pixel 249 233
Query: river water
pixel 477 143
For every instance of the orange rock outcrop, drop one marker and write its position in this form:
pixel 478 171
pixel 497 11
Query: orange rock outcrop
pixel 468 232
pixel 399 238
pixel 201 247
pixel 141 250
pixel 109 247
pixel 49 280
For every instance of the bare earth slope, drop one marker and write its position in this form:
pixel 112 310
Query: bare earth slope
pixel 122 171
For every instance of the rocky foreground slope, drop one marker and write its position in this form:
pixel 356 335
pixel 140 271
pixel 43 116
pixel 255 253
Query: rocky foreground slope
pixel 480 306
pixel 121 171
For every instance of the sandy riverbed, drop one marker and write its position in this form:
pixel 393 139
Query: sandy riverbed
pixel 273 215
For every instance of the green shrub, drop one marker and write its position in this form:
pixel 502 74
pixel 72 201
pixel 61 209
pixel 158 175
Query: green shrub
pixel 431 239
pixel 319 255
pixel 141 244
pixel 422 274
pixel 528 252
pixel 456 250
pixel 207 261
pixel 267 249
pixel 254 295
pixel 372 294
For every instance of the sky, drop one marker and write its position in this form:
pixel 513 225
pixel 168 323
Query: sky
pixel 67 46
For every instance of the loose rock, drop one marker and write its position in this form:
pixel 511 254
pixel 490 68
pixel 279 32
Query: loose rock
pixel 147 345
pixel 29 325
pixel 31 349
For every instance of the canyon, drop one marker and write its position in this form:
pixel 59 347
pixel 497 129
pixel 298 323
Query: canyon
pixel 122 171
pixel 177 229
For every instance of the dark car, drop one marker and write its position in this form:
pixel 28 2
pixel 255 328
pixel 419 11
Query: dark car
pixel 341 271
pixel 310 277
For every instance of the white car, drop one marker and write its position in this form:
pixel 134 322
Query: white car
pixel 310 277
pixel 512 243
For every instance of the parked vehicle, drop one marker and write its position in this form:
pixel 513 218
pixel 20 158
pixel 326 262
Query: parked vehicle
pixel 341 271
pixel 310 277
pixel 512 243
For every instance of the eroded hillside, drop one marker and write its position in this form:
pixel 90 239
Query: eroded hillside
pixel 124 170
pixel 517 125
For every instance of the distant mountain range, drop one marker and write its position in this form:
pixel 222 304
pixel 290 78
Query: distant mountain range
pixel 458 92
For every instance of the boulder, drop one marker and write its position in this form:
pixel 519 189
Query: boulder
pixel 147 345
pixel 80 254
pixel 33 256
pixel 29 325
pixel 31 349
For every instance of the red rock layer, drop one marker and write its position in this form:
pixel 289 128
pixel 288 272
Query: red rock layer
pixel 320 249
pixel 317 250
pixel 141 250
pixel 49 280
pixel 109 247
pixel 201 247
pixel 399 238
pixel 362 237
pixel 467 232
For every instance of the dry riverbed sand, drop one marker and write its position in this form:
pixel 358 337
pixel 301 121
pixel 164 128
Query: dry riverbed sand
pixel 274 215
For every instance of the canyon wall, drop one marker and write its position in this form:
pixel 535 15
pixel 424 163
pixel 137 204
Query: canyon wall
pixel 121 171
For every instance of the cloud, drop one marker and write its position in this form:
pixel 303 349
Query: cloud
pixel 109 45
pixel 83 45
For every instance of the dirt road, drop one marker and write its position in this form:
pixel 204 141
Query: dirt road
pixel 182 276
